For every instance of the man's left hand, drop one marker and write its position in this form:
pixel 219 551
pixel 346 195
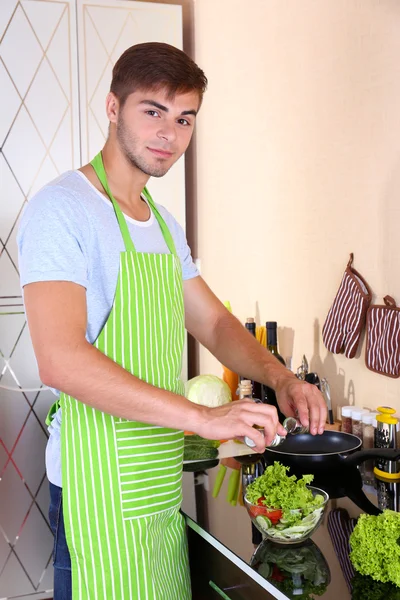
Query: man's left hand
pixel 304 401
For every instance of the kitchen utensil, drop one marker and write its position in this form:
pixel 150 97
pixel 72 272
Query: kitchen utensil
pixel 314 379
pixel 302 371
pixel 331 450
pixel 326 392
pixel 385 437
pixel 388 493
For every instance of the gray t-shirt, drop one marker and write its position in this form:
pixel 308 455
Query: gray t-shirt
pixel 69 232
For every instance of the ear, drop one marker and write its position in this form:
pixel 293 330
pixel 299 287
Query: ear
pixel 112 107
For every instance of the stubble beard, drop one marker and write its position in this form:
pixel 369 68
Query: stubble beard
pixel 129 143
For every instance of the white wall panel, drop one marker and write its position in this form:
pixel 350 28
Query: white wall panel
pixel 39 139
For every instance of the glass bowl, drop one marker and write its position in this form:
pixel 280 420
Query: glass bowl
pixel 269 522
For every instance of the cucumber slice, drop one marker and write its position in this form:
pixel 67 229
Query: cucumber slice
pixel 264 522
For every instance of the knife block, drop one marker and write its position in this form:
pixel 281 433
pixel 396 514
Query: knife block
pixel 336 426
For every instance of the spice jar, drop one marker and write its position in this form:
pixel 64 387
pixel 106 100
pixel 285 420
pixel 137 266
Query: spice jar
pixel 356 421
pixel 346 418
pixel 368 430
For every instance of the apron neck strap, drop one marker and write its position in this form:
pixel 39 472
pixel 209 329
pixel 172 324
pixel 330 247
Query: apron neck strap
pixel 169 240
pixel 98 166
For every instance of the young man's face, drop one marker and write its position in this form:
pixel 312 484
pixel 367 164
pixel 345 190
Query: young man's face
pixel 154 131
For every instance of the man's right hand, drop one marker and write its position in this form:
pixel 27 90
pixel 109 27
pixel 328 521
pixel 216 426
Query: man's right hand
pixel 236 420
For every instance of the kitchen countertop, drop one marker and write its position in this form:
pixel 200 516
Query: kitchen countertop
pixel 229 529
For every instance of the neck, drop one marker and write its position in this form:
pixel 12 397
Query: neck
pixel 125 180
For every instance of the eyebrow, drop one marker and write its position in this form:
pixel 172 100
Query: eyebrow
pixel 166 109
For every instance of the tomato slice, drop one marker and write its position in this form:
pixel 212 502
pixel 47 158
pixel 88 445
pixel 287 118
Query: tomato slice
pixel 273 514
pixel 256 511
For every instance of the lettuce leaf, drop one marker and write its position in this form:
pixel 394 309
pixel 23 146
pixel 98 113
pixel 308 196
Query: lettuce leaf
pixel 375 546
pixel 284 492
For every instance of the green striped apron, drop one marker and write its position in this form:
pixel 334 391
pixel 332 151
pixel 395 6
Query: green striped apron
pixel 122 480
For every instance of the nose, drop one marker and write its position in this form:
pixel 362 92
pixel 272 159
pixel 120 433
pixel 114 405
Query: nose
pixel 167 132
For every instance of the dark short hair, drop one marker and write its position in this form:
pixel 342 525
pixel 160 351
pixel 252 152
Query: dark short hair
pixel 156 66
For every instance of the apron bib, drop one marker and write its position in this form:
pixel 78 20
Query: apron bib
pixel 122 480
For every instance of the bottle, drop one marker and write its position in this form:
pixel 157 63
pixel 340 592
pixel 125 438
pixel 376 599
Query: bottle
pixel 251 328
pixel 269 396
pixel 246 391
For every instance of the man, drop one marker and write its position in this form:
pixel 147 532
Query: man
pixel 109 285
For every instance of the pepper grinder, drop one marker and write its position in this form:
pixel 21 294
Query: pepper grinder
pixel 292 426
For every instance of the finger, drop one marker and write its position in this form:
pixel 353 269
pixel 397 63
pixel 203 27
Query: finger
pixel 323 414
pixel 314 412
pixel 281 430
pixel 268 430
pixel 257 437
pixel 266 410
pixel 270 434
pixel 264 420
pixel 318 410
pixel 302 409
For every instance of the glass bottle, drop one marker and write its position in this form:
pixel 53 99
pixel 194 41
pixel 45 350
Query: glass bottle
pixel 269 395
pixel 251 328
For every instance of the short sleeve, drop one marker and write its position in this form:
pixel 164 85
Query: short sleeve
pixel 189 269
pixel 53 238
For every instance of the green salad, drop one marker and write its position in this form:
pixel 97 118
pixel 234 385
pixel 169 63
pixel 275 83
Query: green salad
pixel 282 505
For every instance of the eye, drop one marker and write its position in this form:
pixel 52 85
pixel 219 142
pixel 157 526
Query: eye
pixel 184 122
pixel 152 113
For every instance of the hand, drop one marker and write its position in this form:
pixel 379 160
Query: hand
pixel 236 420
pixel 302 400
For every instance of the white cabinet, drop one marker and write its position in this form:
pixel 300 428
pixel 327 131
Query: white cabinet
pixel 56 59
pixel 105 30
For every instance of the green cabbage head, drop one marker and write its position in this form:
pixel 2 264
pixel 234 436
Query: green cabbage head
pixel 208 390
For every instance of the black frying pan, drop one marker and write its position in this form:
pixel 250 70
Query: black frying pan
pixel 331 450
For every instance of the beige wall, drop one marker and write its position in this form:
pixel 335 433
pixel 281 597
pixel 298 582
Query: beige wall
pixel 298 148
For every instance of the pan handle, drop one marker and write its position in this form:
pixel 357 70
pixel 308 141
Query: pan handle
pixel 356 458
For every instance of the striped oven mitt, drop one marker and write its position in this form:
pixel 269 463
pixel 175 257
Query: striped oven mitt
pixel 382 353
pixel 346 318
